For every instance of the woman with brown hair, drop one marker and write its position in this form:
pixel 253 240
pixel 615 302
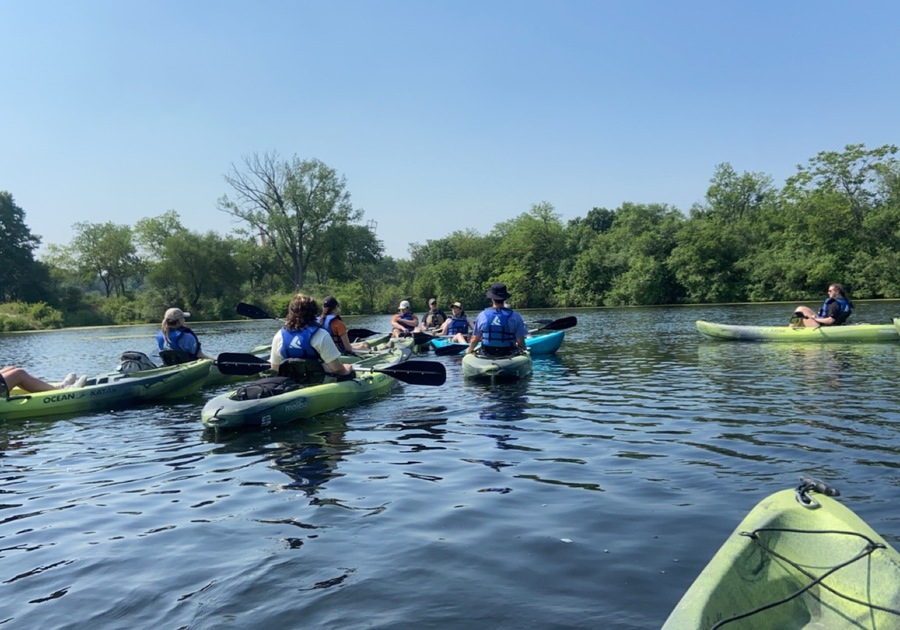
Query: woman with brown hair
pixel 302 337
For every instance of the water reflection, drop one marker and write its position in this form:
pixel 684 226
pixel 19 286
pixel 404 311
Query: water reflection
pixel 309 457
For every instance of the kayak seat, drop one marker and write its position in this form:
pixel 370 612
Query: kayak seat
pixel 492 351
pixel 175 357
pixel 134 361
pixel 303 371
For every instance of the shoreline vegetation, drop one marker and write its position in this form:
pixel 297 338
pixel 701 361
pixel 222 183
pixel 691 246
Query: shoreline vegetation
pixel 837 219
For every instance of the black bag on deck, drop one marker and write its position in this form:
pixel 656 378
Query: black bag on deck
pixel 303 371
pixel 266 387
pixel 134 361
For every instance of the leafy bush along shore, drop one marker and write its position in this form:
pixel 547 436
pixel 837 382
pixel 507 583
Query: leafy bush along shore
pixel 836 220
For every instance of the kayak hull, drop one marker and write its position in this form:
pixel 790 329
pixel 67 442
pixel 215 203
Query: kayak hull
pixel 109 391
pixel 546 343
pixel 226 412
pixel 478 366
pixel 849 333
pixel 743 577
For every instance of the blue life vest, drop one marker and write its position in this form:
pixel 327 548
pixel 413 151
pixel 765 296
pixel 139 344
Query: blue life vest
pixel 498 332
pixel 327 326
pixel 297 344
pixel 842 315
pixel 458 325
pixel 182 339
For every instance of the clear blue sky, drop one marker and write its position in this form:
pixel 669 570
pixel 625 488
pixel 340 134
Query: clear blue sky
pixel 442 115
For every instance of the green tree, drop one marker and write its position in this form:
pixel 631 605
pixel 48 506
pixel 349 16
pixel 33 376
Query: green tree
pixel 105 252
pixel 21 273
pixel 292 205
pixel 198 272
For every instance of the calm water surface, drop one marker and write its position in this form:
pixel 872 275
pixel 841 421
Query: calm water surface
pixel 588 496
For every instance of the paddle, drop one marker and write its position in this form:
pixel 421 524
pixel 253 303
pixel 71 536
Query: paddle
pixel 253 312
pixel 413 372
pixel 355 334
pixel 558 324
pixel 421 338
pixel 241 364
pixel 450 349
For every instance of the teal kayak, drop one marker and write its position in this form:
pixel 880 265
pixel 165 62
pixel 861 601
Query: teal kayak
pixel 537 344
pixel 114 390
pixel 798 560
pixel 512 367
pixel 847 333
pixel 229 411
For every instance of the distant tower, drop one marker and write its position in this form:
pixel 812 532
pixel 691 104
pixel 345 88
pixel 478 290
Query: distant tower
pixel 372 225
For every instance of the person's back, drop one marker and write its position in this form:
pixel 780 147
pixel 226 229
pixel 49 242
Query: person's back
pixel 499 329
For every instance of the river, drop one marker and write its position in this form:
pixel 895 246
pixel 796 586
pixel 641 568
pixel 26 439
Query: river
pixel 589 495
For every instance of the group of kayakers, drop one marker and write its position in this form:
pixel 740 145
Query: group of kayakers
pixel 322 336
pixel 499 329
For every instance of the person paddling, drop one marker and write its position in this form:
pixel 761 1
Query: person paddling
pixel 404 322
pixel 331 321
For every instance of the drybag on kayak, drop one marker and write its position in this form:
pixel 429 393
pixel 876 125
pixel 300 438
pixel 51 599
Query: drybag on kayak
pixel 133 361
pixel 266 387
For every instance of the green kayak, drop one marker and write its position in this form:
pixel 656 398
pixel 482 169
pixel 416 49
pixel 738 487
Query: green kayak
pixel 108 391
pixel 512 367
pixel 798 560
pixel 848 333
pixel 229 411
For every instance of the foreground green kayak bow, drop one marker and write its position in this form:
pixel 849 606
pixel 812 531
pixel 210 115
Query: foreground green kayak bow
pixel 798 560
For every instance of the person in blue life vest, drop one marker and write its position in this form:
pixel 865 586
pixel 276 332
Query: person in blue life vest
pixel 12 376
pixel 834 312
pixel 434 318
pixel 499 329
pixel 174 335
pixel 302 337
pixel 458 326
pixel 404 321
pixel 331 321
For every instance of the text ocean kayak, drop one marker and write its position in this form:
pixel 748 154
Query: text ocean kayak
pixel 477 365
pixel 108 391
pixel 848 333
pixel 227 412
pixel 792 565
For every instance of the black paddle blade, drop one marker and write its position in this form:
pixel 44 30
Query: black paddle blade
pixel 561 324
pixel 253 312
pixel 416 372
pixel 420 338
pixel 359 333
pixel 450 349
pixel 241 364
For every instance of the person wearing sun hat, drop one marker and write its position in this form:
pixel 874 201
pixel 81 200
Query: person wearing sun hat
pixel 458 325
pixel 499 329
pixel 404 321
pixel 174 335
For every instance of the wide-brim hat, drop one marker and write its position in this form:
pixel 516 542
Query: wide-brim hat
pixel 498 292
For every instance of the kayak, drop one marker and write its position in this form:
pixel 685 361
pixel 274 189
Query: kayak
pixel 512 367
pixel 798 560
pixel 227 411
pixel 113 390
pixel 537 344
pixel 850 332
pixel 545 343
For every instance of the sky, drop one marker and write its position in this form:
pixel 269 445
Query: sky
pixel 441 115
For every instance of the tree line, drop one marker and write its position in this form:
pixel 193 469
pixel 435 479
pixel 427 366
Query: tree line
pixel 837 219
